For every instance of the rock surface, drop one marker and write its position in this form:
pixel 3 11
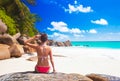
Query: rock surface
pixel 4 52
pixel 8 39
pixel 67 43
pixel 110 78
pixel 16 50
pixel 96 77
pixel 102 77
pixel 56 43
pixel 3 27
pixel 30 76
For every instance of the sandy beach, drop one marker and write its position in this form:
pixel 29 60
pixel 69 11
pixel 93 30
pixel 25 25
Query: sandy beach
pixel 71 60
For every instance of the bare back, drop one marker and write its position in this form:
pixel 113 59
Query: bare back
pixel 43 51
pixel 43 54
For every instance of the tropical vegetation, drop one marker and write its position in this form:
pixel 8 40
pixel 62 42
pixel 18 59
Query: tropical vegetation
pixel 17 16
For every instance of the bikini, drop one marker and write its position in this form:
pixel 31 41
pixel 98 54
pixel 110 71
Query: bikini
pixel 42 69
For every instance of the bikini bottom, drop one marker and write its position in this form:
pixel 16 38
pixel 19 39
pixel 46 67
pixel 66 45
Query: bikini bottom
pixel 42 69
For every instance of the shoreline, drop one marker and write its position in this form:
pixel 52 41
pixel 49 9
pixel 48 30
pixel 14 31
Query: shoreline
pixel 71 60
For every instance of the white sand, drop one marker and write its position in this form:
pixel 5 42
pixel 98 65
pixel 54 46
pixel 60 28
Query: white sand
pixel 77 60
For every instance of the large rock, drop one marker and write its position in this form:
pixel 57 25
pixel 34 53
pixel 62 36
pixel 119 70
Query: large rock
pixel 7 39
pixel 4 52
pixel 96 77
pixel 16 50
pixel 30 76
pixel 103 77
pixel 28 49
pixel 51 43
pixel 3 27
pixel 22 38
pixel 67 43
pixel 60 44
pixel 16 36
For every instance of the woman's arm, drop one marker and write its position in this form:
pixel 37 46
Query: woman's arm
pixel 51 60
pixel 27 42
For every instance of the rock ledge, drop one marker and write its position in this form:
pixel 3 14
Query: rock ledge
pixel 31 76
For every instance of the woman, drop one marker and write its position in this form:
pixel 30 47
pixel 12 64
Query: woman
pixel 43 51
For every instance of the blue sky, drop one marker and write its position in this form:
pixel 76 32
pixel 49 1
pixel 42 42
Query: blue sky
pixel 79 20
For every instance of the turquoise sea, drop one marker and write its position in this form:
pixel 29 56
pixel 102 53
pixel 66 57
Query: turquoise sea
pixel 97 44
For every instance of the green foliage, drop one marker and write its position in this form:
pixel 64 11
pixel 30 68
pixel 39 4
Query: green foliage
pixel 20 17
pixel 3 2
pixel 27 20
pixel 8 21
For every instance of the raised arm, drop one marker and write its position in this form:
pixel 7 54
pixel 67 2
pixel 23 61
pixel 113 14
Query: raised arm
pixel 51 60
pixel 27 42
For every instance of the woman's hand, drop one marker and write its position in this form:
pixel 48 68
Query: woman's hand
pixel 54 71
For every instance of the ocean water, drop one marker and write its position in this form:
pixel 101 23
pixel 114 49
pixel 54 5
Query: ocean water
pixel 97 44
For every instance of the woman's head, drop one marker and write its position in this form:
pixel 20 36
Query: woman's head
pixel 43 38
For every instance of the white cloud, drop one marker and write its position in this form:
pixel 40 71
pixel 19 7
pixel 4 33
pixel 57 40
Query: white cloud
pixel 56 34
pixel 83 31
pixel 59 37
pixel 75 30
pixel 51 29
pixel 93 31
pixel 101 22
pixel 62 27
pixel 80 8
pixel 78 35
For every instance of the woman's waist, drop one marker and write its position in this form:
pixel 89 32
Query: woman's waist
pixel 42 65
pixel 42 57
